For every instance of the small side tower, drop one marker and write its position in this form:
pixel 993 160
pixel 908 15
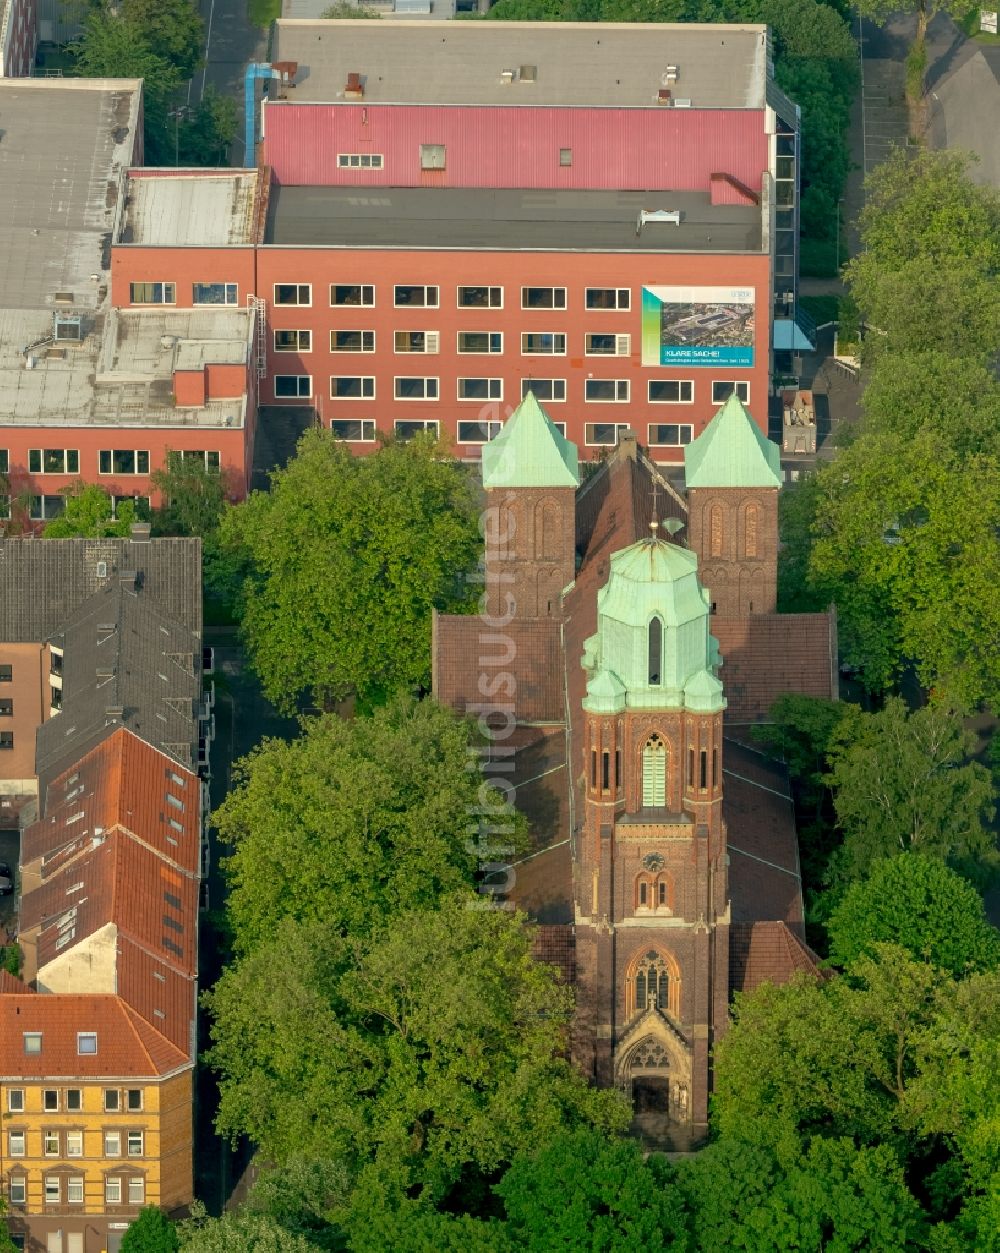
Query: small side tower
pixel 530 476
pixel 732 474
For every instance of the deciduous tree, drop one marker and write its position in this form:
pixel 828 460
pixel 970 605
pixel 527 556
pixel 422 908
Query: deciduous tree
pixel 90 513
pixel 173 29
pixel 151 1232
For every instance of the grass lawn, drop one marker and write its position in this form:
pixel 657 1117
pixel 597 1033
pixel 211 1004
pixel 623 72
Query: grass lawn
pixel 970 24
pixel 264 12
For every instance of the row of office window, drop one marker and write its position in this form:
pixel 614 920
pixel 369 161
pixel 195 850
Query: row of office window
pixel 420 387
pixel 71 1099
pixel 596 434
pixel 130 1191
pixel 116 1142
pixel 45 508
pixel 533 343
pixel 166 293
pixel 432 157
pixel 428 296
pixel 109 460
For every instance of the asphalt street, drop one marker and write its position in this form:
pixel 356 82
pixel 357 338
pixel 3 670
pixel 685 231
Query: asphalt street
pixel 231 42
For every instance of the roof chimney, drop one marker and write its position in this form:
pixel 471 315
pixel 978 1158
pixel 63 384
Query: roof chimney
pixel 140 532
pixel 355 89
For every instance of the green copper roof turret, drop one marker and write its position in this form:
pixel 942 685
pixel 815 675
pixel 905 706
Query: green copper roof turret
pixel 530 452
pixel 732 452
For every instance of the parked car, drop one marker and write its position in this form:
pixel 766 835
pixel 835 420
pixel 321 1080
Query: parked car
pixel 6 880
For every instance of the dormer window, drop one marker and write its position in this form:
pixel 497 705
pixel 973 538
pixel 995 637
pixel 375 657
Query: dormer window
pixel 655 652
pixel 86 1042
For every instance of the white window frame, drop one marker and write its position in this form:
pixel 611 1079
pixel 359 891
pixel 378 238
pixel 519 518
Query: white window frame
pixel 593 443
pixel 367 382
pixel 736 385
pixel 65 460
pixel 83 1039
pixel 621 344
pixel 360 161
pixel 433 156
pixel 299 395
pixel 211 457
pixel 52 1190
pixel 112 1144
pixel 556 304
pixel 20 1196
pixel 425 379
pixel 168 292
pixel 51 1144
pixel 617 307
pixel 489 351
pixel 136 453
pixel 129 1107
pixel 367 341
pixel 425 288
pixel 364 288
pixel 622 390
pixel 136 1190
pixel 368 429
pixel 298 303
pixel 428 424
pixel 432 344
pixel 541 352
pixel 74 1143
pixel 552 400
pixel 15 1100
pixel 112 1190
pixel 495 427
pixel 17 1144
pixel 136 1136
pixel 74 1184
pixel 679 383
pixel 679 443
pixel 112 1106
pixel 489 288
pixel 227 289
pixel 299 349
pixel 494 389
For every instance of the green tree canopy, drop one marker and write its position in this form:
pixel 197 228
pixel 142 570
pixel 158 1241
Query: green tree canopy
pixel 355 820
pixel 112 47
pixel 151 1232
pixel 426 1052
pixel 593 1194
pixel 350 556
pixel 922 906
pixel 90 513
pixel 240 1232
pixel 173 29
pixel 194 496
pixel 901 784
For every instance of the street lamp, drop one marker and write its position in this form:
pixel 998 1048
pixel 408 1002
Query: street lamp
pixel 181 111
pixel 839 203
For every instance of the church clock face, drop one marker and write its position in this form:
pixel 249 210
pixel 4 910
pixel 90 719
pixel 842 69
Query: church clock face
pixel 653 861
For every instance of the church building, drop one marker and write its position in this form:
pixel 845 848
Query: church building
pixel 628 639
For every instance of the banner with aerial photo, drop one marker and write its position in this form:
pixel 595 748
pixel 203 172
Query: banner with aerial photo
pixel 694 326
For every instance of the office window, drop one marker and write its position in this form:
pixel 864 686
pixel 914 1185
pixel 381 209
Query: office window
pixel 360 295
pixel 544 389
pixel 607 298
pixel 50 1143
pixel 480 341
pixel 480 389
pixel 133 1100
pixel 16 1143
pixel 18 1190
pixel 112 1144
pixel 670 434
pixel 543 297
pixel 415 388
pixel 74 1190
pixel 136 1191
pixel 4 461
pixel 6 740
pixel 32 1042
pixel 293 293
pixel 605 344
pixel 480 297
pixel 214 294
pixel 359 160
pixel 6 707
pixel 352 387
pixel 565 157
pixel 152 293
pixel 86 1042
pixel 406 429
pixel 408 296
pixel 210 457
pixel 603 434
pixel 294 386
pixel 176 803
pixel 74 1144
pixel 293 341
pixel 134 1143
pixel 53 461
pixel 352 341
pixel 123 461
pixel 353 430
pixel 74 1096
pixel 671 391
pixel 50 1100
pixel 478 432
pixel 141 504
pixel 432 156
pixel 417 341
pixel 112 1190
pixel 543 343
pixel 41 508
pixel 606 391
pixel 53 1190
pixel 15 1100
pixel 723 389
pixel 112 1100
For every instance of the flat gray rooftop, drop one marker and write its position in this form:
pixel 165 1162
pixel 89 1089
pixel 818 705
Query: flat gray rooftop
pixel 207 208
pixel 581 64
pixel 548 221
pixel 65 148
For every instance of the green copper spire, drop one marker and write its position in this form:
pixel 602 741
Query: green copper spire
pixel 731 452
pixel 530 452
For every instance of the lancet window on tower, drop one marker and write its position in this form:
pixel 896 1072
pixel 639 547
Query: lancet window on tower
pixel 654 773
pixel 652 983
pixel 655 652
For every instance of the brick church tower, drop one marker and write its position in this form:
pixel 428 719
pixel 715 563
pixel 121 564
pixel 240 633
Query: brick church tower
pixel 652 906
pixel 732 475
pixel 530 476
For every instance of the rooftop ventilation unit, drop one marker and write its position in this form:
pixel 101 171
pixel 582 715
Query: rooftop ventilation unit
pixel 63 297
pixel 671 216
pixel 663 96
pixel 506 77
pixel 670 76
pixel 67 328
pixel 528 73
pixel 355 89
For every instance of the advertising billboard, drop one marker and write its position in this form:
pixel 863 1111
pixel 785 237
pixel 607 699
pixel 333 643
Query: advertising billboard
pixel 697 326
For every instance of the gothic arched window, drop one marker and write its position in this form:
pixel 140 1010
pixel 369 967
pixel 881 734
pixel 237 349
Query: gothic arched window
pixel 652 982
pixel 715 530
pixel 750 531
pixel 654 773
pixel 655 652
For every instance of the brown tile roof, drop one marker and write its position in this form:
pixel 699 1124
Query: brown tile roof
pixel 458 641
pixel 767 655
pixel 767 952
pixel 11 983
pixel 543 885
pixel 556 945
pixel 127 1047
